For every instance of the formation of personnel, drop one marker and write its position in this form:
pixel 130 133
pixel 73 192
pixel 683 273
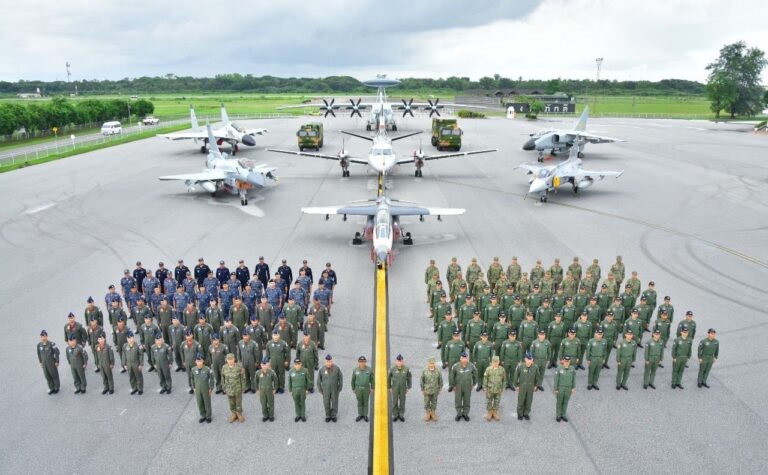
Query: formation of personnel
pixel 511 328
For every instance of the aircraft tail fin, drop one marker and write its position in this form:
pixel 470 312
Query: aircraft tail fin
pixel 224 116
pixel 581 124
pixel 213 148
pixel 193 118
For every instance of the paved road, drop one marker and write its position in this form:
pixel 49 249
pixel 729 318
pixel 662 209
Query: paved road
pixel 689 213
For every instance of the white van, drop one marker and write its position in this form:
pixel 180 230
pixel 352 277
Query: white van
pixel 111 128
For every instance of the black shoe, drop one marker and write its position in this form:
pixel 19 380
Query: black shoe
pixel 219 391
pixel 589 388
pixel 265 419
pixel 183 370
pixel 674 386
pixel 178 369
pixel 680 386
pixel 581 367
pixel 201 420
pixel 272 419
pixel 450 390
pixel 167 391
pixel 618 388
pixel 625 388
pixel 134 392
pixel 458 418
pixel 439 346
pixel 297 419
pixel 151 368
pixel 645 386
pixel 97 370
pixel 633 365
pixel 303 419
pixel 395 419
pixel 322 348
pixel 334 419
pixel 605 366
pixel 703 384
pixel 53 391
pixel 311 391
pixel 698 384
pixel 192 391
pixel 207 420
pixel 402 419
pixel 359 418
pixel 661 365
pixel 281 391
pixel 564 419
pixel 123 370
pixel 466 418
pixel 77 392
pixel 639 345
pixel 557 419
pixel 519 417
pixel 652 386
pixel 365 418
pixel 445 365
pixel 56 391
pixel 82 391
pixel 140 393
pixel 327 419
pixel 527 417
pixel 595 388
pixel 478 389
pixel 111 391
pixel 513 389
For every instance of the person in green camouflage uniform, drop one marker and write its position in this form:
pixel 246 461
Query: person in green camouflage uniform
pixel 575 269
pixel 547 285
pixel 556 271
pixel 431 272
pixel 527 380
pixel 569 285
pixel 494 382
pixel 494 272
pixel 473 272
pixel 654 354
pixel 431 385
pixel 565 386
pixel 523 287
pixel 453 272
pixel 202 377
pixel 440 310
pixel 595 270
pixel 681 352
pixel 618 270
pixel 708 352
pixel 514 272
pixel 458 291
pixel 537 273
pixel 233 383
pixel 399 383
pixel 635 284
pixel 266 384
pixel 500 289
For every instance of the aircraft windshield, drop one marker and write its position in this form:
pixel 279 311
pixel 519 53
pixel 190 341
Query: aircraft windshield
pixel 543 173
pixel 381 151
pixel 382 216
pixel 382 231
pixel 246 163
pixel 236 126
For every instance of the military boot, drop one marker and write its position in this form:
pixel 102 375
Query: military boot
pixel 240 417
pixel 428 416
pixel 434 415
pixel 232 417
pixel 496 415
pixel 489 415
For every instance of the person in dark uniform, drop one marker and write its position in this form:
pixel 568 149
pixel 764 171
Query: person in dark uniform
pixel 161 274
pixel 285 273
pixel 243 274
pixel 201 271
pixel 307 271
pixel 261 271
pixel 180 272
pixel 138 275
pixel 222 273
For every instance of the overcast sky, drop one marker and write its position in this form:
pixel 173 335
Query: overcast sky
pixel 639 39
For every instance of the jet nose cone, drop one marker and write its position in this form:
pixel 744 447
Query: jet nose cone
pixel 381 255
pixel 249 140
pixel 537 186
pixel 256 179
pixel 529 145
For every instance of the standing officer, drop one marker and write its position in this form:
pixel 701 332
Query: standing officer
pixel 542 353
pixel 176 335
pixel 77 358
pixel 242 274
pixel 249 356
pixel 201 271
pixel 527 380
pixel 514 272
pixel 500 332
pixel 134 363
pixel 494 272
pixel 654 353
pixel 285 272
pixel 575 269
pixel 266 384
pixel 565 386
pixel 681 352
pixel 217 355
pixel 610 333
pixel 597 352
pixel 688 323
pixel 453 350
pixel 481 357
pixel 139 273
pixel 494 382
pixel 462 378
pixel 261 271
pixel 651 296
pixel 162 355
pixel 105 359
pixel 112 296
pixel 511 353
pixel 570 347
pixel 190 349
pixel 306 351
pixel 431 385
pixel 202 378
pixel 222 273
pixel 127 282
pixel 528 331
pixel 709 350
pixel 473 272
pixel 91 310
pixel 330 382
pixel 180 271
pixel 399 383
pixel 667 307
pixel 583 334
pixel 279 354
pixel 147 333
pixel 233 382
pixel 211 284
pixel 453 271
pixel 618 270
pixel 307 271
pixel 362 386
pixel 625 357
pixel 555 333
pixel 298 385
pixel 48 357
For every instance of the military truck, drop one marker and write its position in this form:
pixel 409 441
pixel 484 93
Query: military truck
pixel 310 136
pixel 446 134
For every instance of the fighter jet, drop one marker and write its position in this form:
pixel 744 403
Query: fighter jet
pixel 556 140
pixel 544 179
pixel 235 176
pixel 382 108
pixel 383 226
pixel 229 132
pixel 381 157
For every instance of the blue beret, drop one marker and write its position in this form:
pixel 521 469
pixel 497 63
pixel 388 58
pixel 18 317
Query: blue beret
pixel 129 333
pixel 328 357
pixel 253 317
pixel 121 318
pixel 275 332
pixel 281 317
pixel 71 315
pixel 227 318
pixel 528 355
pixel 158 336
pixel 102 335
pixel 215 336
pixel 90 300
pixel 399 357
pixel 187 332
pixel 199 356
pixel 43 333
pixel 464 354
pixel 265 360
pixel 93 318
pixel 72 337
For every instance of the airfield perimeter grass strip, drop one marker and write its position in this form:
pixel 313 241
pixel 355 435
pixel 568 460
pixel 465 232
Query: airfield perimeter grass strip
pixel 90 148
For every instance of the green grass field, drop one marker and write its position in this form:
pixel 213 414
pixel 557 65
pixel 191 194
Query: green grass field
pixel 683 106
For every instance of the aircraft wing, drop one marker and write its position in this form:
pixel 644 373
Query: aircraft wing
pixel 595 175
pixel 255 131
pixel 336 106
pixel 447 155
pixel 368 209
pixel 530 167
pixel 591 138
pixel 193 135
pixel 317 155
pixel 418 210
pixel 212 175
pixel 425 105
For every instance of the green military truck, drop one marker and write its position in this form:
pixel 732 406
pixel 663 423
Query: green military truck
pixel 310 136
pixel 446 134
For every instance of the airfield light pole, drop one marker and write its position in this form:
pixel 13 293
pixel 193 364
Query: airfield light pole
pixel 599 62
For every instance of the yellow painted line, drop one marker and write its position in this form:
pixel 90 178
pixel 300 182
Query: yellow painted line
pixel 381 426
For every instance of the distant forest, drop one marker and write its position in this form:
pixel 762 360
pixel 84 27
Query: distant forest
pixel 346 84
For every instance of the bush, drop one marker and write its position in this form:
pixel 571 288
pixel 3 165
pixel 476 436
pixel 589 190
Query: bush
pixel 465 114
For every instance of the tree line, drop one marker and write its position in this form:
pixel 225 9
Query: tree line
pixel 734 81
pixel 60 112
pixel 346 84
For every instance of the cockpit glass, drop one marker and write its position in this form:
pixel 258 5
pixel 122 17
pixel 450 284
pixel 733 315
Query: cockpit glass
pixel 543 173
pixel 382 231
pixel 382 151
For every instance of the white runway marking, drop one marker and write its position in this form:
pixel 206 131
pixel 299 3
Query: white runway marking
pixel 123 412
pixel 37 209
pixel 250 209
pixel 290 441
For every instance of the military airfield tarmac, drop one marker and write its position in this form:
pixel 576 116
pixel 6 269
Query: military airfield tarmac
pixel 690 213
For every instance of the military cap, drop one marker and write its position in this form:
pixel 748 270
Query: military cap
pixel 93 318
pixel 689 312
pixel 535 286
pixel 518 297
pixel 90 300
pixel 102 335
pixel 232 274
pixel 513 332
pixel 651 283
pixel 230 356
pixel 284 261
pixel 297 361
pixel 158 336
pixel 439 282
pixel 43 333
pixel 485 333
pixel 281 317
pixel 227 318
pixel 431 359
pixel 667 297
pixel 275 331
pixel 476 312
pixel 138 263
pixel 657 331
pixel 628 331
pixel 188 332
pixel 542 331
pixel 711 330
pixel 221 262
pixel 571 330
pixel 502 315
pixel 200 259
pixel 328 357
pixel 528 355
pixel 584 312
pixel 569 299
pixel 141 299
pixel 493 297
pixel 72 337
pixel 559 314
pixel 604 286
pixel 495 359
pixel 594 297
pixel 306 333
pixel 464 354
pixel 643 297
pixel 635 310
pixel 129 334
pixel 174 317
pixel 514 258
pixel 464 285
pixel 265 360
pixel 361 359
pixel 457 332
pixel 663 312
pixel 474 259
pixel 215 336
pixel 566 358
pixel 538 261
pixel 146 317
pixel 609 314
pixel 327 264
pixel 261 258
pixel 199 357
pixel 111 286
pixel 599 330
pixel 126 271
pixel 684 328
pixel 399 357
pixel 241 261
pixel 510 286
pixel 246 334
pixel 545 299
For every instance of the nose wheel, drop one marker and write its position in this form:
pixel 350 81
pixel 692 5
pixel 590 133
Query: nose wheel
pixel 345 173
pixel 543 198
pixel 408 240
pixel 243 199
pixel 358 239
pixel 419 173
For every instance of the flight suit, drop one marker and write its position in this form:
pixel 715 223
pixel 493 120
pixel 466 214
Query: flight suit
pixel 681 352
pixel 163 357
pixel 570 347
pixel 527 333
pixel 583 334
pixel 444 335
pixel 462 379
pixel 189 350
pixel 362 385
pixel 298 385
pixel 218 358
pixel 176 339
pixel 472 332
pixel 248 355
pixel 266 381
pixel 526 380
pixel 664 327
pixel 134 360
pixel 330 382
pixel 542 353
pixel 48 356
pixel 307 353
pixel 654 354
pixel 569 315
pixel 399 383
pixel 279 354
pixel 516 315
pixel 708 352
pixel 105 361
pixel 202 383
pixel 636 325
pixel 544 315
pixel 556 332
pixel 565 381
pixel 597 352
pixel 499 334
pixel 481 357
pixel 77 358
pixel 625 356
pixel 510 354
pixel 453 351
pixel 147 338
pixel 610 333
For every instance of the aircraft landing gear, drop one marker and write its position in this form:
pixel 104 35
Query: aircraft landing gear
pixel 580 155
pixel 203 149
pixel 394 127
pixel 368 127
pixel 358 239
pixel 243 198
pixel 345 173
pixel 543 198
pixel 407 239
pixel 575 190
pixel 419 173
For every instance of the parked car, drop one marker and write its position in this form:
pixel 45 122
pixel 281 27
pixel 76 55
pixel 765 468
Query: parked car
pixel 111 128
